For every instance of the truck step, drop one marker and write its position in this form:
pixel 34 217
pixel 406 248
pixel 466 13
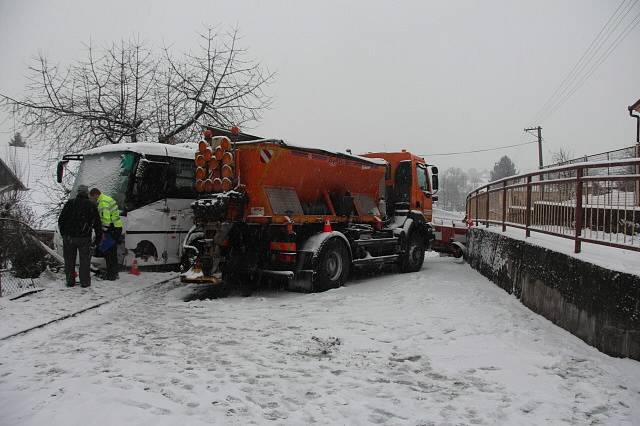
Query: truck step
pixel 390 258
pixel 376 241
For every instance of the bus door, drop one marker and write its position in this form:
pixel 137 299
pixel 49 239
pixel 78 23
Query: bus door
pixel 149 214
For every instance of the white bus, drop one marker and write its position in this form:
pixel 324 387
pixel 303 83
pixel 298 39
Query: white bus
pixel 153 186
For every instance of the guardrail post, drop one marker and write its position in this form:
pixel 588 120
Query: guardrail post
pixel 486 223
pixel 578 212
pixel 504 205
pixel 527 214
pixel 477 209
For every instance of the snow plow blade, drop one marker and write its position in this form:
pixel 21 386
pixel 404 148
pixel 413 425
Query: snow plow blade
pixel 201 280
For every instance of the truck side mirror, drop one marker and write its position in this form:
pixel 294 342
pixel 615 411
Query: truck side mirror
pixel 434 182
pixel 60 171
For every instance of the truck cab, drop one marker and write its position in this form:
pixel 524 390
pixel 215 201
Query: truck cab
pixel 410 183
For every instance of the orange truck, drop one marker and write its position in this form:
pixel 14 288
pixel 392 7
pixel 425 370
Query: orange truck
pixel 271 212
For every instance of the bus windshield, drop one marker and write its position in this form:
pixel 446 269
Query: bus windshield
pixel 110 172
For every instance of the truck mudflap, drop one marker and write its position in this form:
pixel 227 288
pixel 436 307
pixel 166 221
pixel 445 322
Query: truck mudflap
pixel 301 281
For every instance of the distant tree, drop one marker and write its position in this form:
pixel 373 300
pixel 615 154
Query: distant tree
pixel 17 140
pixel 503 168
pixel 128 92
pixel 476 177
pixel 453 189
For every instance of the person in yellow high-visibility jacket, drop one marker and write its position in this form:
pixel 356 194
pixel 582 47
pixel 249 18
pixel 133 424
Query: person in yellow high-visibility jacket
pixel 112 226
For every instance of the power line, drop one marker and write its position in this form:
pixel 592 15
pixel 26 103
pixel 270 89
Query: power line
pixel 612 47
pixel 575 67
pixel 595 54
pixel 594 48
pixel 479 150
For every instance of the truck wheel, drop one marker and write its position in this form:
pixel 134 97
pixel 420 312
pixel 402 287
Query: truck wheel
pixel 413 258
pixel 332 266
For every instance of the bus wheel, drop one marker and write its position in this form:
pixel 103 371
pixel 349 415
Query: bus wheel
pixel 332 266
pixel 413 258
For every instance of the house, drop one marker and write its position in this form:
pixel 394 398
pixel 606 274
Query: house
pixel 8 179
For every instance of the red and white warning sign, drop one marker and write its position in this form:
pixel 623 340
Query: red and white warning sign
pixel 265 155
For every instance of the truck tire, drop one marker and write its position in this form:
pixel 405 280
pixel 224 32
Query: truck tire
pixel 332 266
pixel 413 259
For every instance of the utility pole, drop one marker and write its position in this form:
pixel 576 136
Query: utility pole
pixel 539 129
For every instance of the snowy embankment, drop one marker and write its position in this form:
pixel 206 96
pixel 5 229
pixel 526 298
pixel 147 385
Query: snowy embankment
pixel 56 301
pixel 441 346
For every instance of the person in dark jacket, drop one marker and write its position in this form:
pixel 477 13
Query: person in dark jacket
pixel 78 218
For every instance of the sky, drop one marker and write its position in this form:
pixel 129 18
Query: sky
pixel 430 77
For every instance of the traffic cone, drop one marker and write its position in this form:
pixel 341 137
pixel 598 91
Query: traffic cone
pixel 327 226
pixel 134 268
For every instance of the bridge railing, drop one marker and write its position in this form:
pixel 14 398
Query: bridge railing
pixel 593 202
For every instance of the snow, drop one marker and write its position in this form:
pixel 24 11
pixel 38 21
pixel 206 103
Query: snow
pixel 441 346
pixel 56 300
pixel 442 215
pixel 607 257
pixel 376 161
pixel 186 150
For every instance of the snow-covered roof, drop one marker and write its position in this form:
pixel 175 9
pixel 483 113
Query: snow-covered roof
pixel 34 172
pixel 376 161
pixel 183 150
pixel 9 180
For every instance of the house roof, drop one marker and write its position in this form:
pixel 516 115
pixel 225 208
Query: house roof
pixel 9 180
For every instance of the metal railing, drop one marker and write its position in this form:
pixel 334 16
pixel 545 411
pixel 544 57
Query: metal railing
pixel 593 202
pixel 616 154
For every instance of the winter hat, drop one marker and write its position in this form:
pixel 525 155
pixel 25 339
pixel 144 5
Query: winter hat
pixel 83 190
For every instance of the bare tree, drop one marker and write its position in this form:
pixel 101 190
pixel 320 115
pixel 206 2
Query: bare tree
pixel 127 92
pixel 453 189
pixel 561 156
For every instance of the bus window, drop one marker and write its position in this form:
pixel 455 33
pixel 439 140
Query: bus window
pixel 180 179
pixel 110 172
pixel 150 182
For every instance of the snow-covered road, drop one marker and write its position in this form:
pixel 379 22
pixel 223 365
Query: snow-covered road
pixel 442 346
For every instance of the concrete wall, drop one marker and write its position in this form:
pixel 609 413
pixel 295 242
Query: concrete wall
pixel 600 306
